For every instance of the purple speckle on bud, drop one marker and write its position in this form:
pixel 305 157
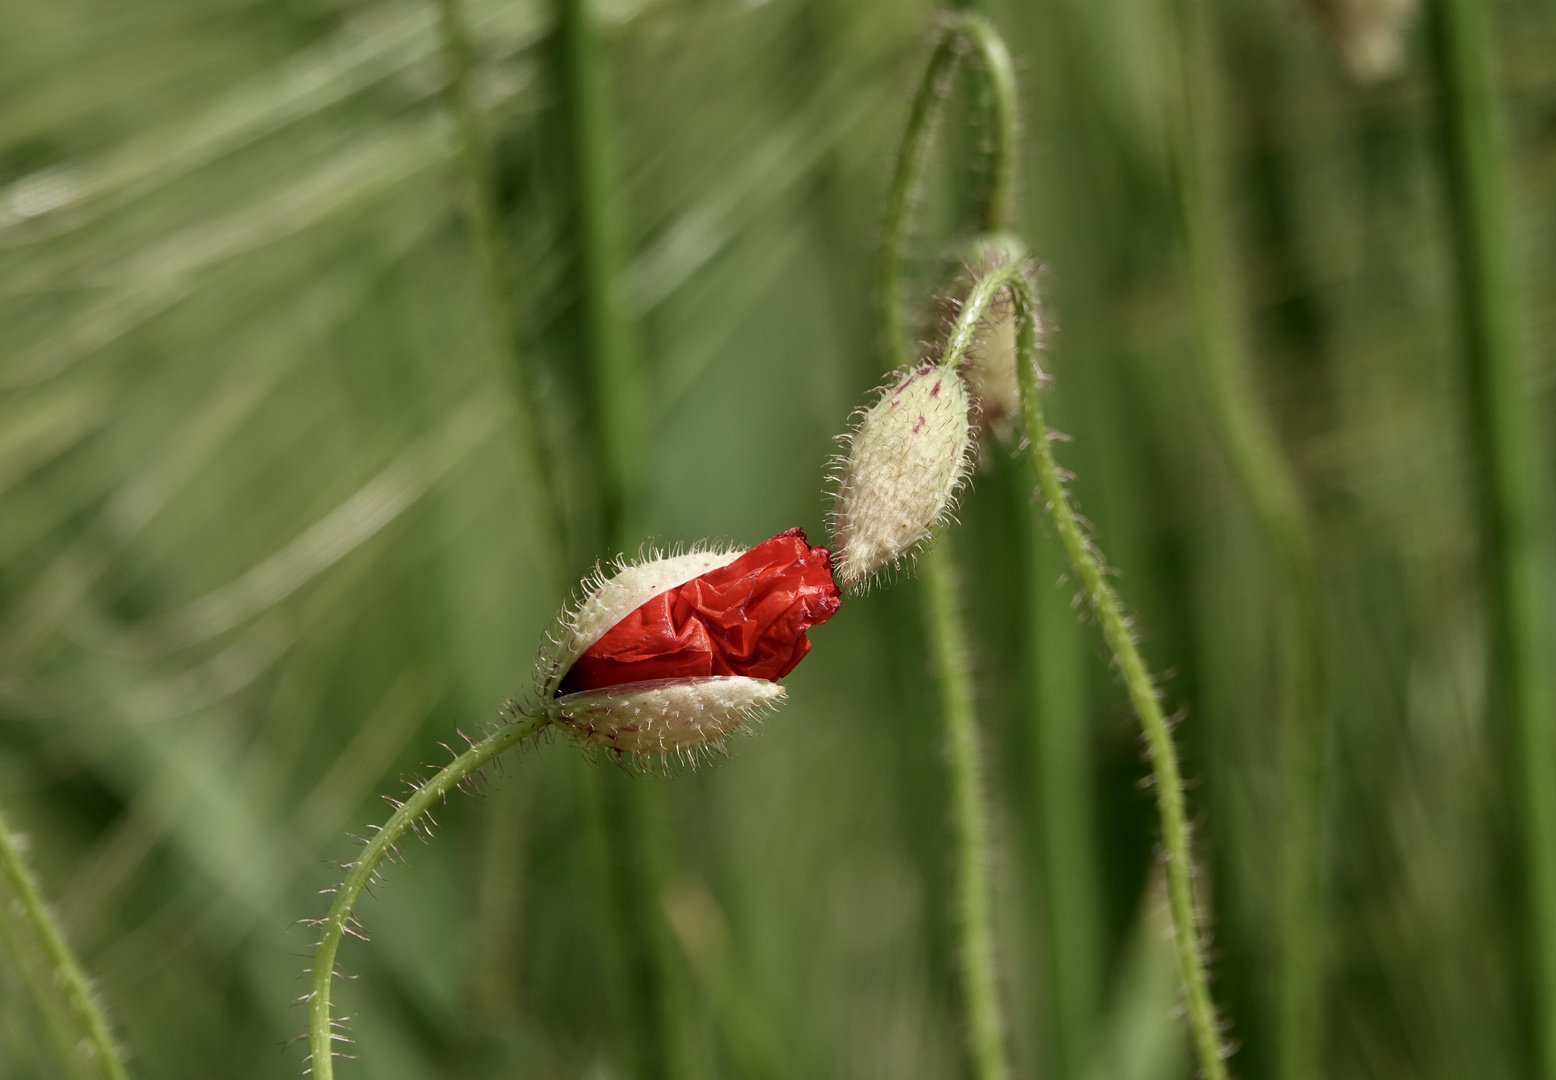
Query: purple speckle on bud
pixel 903 469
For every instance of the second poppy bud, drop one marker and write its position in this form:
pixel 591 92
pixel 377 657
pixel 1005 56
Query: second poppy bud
pixel 906 462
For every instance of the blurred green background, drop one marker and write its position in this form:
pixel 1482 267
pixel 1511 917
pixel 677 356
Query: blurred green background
pixel 267 536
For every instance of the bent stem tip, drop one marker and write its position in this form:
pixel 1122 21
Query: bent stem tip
pixel 958 33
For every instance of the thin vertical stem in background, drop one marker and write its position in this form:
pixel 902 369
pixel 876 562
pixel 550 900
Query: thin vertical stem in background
pixel 625 806
pixel 1061 762
pixel 969 815
pixel 1507 452
pixel 1165 774
pixel 633 940
pixel 1065 830
pixel 612 368
pixel 1271 488
pixel 474 155
pixel 958 32
pixel 495 912
pixel 66 971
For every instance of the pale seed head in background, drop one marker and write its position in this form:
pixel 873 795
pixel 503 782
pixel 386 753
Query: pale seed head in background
pixel 1370 34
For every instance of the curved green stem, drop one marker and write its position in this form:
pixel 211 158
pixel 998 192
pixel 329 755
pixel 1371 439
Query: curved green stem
pixel 1168 781
pixel 339 921
pixel 1514 524
pixel 66 970
pixel 974 907
pixel 958 33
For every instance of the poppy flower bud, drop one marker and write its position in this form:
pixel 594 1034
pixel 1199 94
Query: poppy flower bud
pixel 905 463
pixel 991 371
pixel 676 652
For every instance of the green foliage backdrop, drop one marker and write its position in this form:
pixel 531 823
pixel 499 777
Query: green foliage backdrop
pixel 267 538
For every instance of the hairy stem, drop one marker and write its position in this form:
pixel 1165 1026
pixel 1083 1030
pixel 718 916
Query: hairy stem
pixel 1505 443
pixel 969 815
pixel 1168 781
pixel 958 33
pixel 339 921
pixel 66 970
pixel 1270 485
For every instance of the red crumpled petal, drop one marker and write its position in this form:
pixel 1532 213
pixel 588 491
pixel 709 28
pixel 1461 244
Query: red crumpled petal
pixel 748 618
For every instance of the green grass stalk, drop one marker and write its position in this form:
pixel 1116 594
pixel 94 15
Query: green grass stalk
pixel 1506 447
pixel 626 805
pixel 1065 831
pixel 646 1025
pixel 958 33
pixel 66 970
pixel 322 1033
pixel 969 815
pixel 498 267
pixel 1270 485
pixel 474 157
pixel 631 885
pixel 615 381
pixel 1167 778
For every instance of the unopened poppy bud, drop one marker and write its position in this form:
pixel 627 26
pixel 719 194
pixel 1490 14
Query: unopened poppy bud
pixel 905 463
pixel 676 652
pixel 991 368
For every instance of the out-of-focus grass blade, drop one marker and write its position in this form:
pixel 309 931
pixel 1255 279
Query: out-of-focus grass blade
pixel 1141 1037
pixel 376 45
pixel 333 537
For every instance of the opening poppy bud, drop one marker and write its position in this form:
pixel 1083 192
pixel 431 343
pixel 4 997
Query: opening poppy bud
pixel 991 370
pixel 905 463
pixel 674 652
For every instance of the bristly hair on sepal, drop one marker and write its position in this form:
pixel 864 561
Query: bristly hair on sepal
pixel 668 655
pixel 609 593
pixel 668 721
